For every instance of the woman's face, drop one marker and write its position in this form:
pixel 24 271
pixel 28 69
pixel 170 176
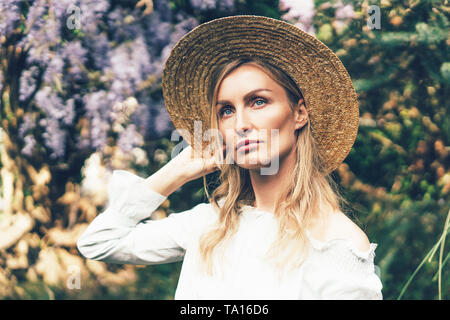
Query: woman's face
pixel 250 105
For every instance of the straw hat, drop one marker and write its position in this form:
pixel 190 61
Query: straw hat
pixel 329 95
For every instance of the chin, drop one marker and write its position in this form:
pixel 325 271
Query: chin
pixel 249 166
pixel 253 162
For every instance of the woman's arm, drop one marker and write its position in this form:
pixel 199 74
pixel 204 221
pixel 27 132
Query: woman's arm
pixel 124 234
pixel 168 179
pixel 186 166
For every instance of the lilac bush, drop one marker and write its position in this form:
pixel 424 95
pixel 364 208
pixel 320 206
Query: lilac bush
pixel 78 59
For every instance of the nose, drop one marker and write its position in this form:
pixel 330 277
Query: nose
pixel 242 124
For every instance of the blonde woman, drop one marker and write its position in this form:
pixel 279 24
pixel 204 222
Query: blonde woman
pixel 281 114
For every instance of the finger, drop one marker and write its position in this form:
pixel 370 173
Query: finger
pixel 212 163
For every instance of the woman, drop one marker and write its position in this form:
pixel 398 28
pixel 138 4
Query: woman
pixel 273 228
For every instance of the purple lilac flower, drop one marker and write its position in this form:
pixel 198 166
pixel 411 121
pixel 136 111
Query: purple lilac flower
pixel 204 4
pixel 98 109
pixel 69 112
pixel 224 5
pixel 158 32
pixel 62 8
pixel 141 116
pixel 162 122
pixel 9 16
pixel 29 123
pixel 58 113
pixel 344 12
pixel 87 13
pixel 145 118
pixel 55 138
pixel 124 58
pixel 34 18
pixel 91 13
pixel 129 139
pixel 30 143
pixel 41 33
pixel 75 54
pixel 300 13
pixel 125 25
pixel 181 28
pixel 162 9
pixel 130 64
pixel 48 101
pixel 54 69
pixel 28 82
pixel 98 47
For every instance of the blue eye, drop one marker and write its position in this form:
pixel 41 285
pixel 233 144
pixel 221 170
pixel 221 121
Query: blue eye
pixel 256 100
pixel 261 100
pixel 223 110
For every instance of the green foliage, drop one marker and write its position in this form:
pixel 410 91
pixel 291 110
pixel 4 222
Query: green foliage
pixel 401 74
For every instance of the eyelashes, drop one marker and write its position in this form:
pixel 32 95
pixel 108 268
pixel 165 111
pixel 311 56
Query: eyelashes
pixel 254 100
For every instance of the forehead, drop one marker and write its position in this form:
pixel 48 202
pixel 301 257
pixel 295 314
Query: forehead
pixel 244 79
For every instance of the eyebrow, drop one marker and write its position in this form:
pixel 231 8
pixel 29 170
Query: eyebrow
pixel 246 97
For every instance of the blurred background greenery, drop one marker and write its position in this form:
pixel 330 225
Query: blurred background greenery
pixel 80 85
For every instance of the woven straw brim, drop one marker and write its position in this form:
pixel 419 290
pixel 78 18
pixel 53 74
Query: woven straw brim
pixel 330 97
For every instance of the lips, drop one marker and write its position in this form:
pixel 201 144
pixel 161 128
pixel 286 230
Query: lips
pixel 246 142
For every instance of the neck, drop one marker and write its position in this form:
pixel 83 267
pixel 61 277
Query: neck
pixel 267 188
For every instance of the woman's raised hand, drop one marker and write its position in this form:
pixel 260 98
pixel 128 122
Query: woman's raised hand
pixel 182 168
pixel 193 165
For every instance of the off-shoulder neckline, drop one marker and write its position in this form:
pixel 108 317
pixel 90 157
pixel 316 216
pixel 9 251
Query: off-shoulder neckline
pixel 319 245
pixel 326 245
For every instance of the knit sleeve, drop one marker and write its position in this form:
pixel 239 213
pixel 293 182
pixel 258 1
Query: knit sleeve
pixel 123 232
pixel 339 271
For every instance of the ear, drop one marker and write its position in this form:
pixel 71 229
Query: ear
pixel 300 114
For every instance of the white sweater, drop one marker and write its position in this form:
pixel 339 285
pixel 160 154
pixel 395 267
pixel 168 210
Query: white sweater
pixel 124 233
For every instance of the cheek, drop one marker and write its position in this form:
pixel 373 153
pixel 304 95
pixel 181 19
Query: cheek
pixel 274 116
pixel 276 119
pixel 227 135
pixel 286 133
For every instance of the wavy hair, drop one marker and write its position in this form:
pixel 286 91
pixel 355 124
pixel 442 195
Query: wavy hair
pixel 308 197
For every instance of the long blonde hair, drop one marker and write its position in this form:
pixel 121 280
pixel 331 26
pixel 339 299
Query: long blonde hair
pixel 308 197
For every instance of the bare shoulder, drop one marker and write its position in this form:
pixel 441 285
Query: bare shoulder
pixel 342 227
